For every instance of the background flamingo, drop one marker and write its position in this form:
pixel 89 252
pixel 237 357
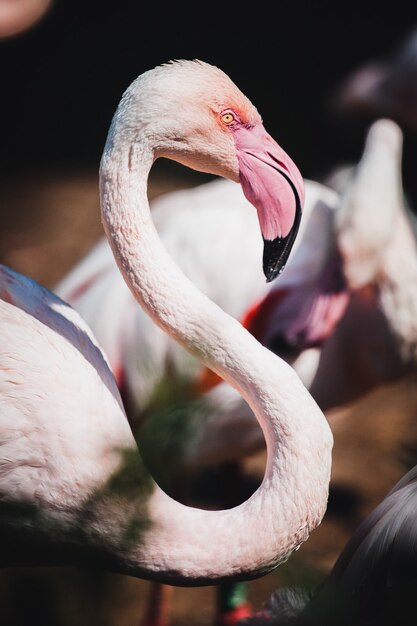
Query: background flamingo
pixel 384 86
pixel 375 341
pixel 59 500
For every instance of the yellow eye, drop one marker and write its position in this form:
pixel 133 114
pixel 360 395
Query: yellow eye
pixel 228 118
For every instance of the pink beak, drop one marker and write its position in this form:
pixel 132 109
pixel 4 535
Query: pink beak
pixel 273 184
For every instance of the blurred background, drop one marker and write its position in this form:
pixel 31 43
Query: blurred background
pixel 61 81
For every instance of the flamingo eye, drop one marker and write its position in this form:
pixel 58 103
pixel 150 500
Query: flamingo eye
pixel 228 118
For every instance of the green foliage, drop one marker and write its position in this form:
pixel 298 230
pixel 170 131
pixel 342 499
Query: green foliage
pixel 132 478
pixel 169 424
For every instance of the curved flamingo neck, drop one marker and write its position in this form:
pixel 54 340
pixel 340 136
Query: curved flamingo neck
pixel 263 531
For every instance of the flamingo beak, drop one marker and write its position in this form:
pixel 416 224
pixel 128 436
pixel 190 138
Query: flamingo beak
pixel 273 184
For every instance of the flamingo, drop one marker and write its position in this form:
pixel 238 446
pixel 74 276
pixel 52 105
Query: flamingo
pixel 192 223
pixel 384 87
pixel 74 487
pixel 373 580
pixel 376 339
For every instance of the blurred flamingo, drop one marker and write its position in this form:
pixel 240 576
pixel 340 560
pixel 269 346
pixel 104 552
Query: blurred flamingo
pixel 376 339
pixel 74 487
pixel 384 87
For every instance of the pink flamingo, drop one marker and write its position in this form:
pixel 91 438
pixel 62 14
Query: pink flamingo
pixel 73 486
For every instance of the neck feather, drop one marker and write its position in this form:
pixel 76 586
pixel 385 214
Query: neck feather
pixel 257 535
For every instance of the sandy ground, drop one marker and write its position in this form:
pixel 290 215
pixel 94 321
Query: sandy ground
pixel 46 224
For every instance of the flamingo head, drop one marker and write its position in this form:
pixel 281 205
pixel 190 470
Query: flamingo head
pixel 192 112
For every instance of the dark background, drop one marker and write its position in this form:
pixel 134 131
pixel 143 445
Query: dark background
pixel 61 80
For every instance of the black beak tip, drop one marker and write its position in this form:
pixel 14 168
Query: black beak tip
pixel 275 256
pixel 272 272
